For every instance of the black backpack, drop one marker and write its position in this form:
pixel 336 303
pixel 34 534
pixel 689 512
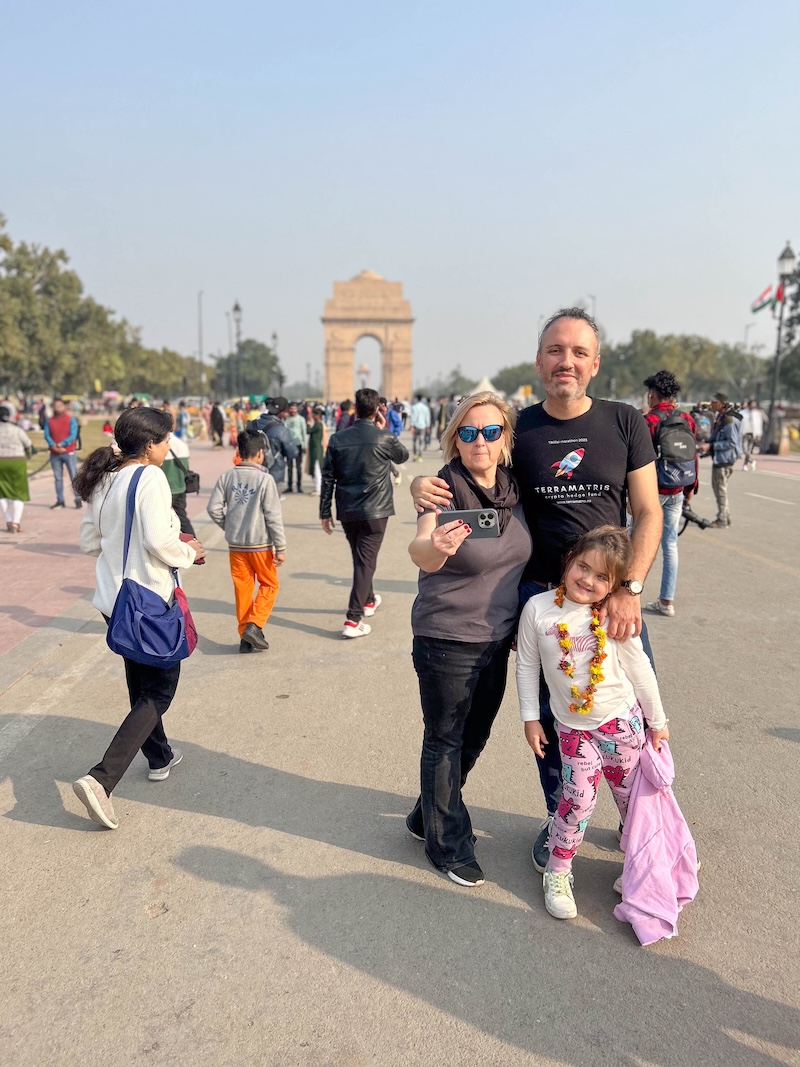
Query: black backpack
pixel 676 448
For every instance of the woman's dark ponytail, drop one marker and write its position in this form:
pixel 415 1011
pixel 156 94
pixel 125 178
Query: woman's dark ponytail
pixel 135 429
pixel 94 469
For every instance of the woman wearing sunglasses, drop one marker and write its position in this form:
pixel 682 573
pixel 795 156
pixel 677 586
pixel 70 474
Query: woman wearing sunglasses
pixel 464 620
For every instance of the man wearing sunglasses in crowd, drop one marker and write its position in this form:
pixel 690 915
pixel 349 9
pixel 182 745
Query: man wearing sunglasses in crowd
pixel 578 462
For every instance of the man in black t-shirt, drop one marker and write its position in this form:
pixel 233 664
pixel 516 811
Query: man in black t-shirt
pixel 578 462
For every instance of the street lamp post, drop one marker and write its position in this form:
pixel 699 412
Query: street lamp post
pixel 237 322
pixel 200 345
pixel 786 265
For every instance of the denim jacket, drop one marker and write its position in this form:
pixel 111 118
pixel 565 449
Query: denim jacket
pixel 726 438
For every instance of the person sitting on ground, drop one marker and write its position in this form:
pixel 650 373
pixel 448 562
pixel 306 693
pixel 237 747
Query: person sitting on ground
pixel 600 692
pixel 245 503
pixel 463 621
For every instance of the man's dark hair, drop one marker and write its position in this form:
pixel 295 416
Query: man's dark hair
pixel 383 400
pixel 250 443
pixel 664 383
pixel 366 403
pixel 345 406
pixel 570 313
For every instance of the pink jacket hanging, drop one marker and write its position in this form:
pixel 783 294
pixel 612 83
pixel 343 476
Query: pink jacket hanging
pixel 660 872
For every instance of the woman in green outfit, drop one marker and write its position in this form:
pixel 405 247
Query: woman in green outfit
pixel 15 447
pixel 316 447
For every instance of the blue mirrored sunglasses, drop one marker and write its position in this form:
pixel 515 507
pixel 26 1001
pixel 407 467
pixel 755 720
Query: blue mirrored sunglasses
pixel 468 434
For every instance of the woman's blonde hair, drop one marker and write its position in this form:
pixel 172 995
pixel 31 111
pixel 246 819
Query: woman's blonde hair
pixel 450 435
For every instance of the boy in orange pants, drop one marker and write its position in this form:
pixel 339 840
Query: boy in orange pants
pixel 245 503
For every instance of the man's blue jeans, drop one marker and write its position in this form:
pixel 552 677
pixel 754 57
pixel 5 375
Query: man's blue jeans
pixel 672 506
pixel 461 686
pixel 550 764
pixel 58 461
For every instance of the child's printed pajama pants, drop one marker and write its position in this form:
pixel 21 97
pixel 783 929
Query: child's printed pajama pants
pixel 611 751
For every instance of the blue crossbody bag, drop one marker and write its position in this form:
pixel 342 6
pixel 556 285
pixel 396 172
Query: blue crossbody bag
pixel 143 627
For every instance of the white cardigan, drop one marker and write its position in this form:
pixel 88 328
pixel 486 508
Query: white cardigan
pixel 155 544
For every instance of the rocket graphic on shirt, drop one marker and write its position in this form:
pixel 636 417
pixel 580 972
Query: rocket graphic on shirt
pixel 568 464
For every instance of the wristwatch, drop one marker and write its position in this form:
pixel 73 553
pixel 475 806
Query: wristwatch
pixel 633 587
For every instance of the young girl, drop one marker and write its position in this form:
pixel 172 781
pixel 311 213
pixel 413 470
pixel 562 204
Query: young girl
pixel 600 690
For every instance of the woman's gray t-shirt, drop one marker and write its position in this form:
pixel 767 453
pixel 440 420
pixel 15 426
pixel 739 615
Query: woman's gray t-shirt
pixel 474 597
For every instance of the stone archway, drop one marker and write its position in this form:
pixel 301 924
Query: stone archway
pixel 368 306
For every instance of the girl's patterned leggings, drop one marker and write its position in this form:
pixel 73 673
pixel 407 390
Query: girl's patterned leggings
pixel 611 751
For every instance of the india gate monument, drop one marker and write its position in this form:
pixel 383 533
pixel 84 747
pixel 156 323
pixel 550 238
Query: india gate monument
pixel 367 306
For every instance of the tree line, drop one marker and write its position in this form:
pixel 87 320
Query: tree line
pixel 54 338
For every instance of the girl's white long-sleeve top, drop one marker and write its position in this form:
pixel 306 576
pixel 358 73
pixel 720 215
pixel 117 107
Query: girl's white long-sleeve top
pixel 627 672
pixel 155 546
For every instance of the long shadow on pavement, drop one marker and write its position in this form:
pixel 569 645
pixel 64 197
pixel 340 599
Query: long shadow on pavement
pixel 555 990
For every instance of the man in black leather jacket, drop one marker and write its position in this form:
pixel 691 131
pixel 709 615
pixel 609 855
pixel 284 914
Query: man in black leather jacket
pixel 283 447
pixel 358 465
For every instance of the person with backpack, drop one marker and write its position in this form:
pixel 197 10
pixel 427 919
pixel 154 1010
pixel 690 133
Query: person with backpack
pixel 674 436
pixel 281 447
pixel 724 446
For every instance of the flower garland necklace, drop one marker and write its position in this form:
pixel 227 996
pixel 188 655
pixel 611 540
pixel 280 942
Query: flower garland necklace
pixel 566 665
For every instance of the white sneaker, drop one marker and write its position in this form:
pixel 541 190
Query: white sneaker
pixel 657 607
pixel 159 774
pixel 370 609
pixel 356 629
pixel 558 898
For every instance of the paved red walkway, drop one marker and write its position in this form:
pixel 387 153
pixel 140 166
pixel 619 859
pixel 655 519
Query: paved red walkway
pixel 42 570
pixel 43 573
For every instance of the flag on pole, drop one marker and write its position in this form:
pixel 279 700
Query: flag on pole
pixel 763 300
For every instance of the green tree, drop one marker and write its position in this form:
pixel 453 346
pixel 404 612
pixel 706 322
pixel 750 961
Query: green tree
pixel 509 379
pixel 254 369
pixel 456 383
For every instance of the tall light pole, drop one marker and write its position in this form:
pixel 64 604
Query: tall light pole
pixel 786 265
pixel 200 345
pixel 237 321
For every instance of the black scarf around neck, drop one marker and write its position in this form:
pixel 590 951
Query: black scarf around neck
pixel 468 494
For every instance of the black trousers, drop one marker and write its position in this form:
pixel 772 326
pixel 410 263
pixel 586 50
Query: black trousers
pixel 179 507
pixel 291 465
pixel 151 691
pixel 365 538
pixel 461 687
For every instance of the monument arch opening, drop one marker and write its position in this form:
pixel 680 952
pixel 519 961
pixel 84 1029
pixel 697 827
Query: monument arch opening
pixel 367 306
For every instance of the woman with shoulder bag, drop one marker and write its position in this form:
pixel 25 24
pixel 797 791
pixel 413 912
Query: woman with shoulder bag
pixel 155 551
pixel 464 620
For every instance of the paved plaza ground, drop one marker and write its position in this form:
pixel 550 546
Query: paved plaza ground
pixel 264 904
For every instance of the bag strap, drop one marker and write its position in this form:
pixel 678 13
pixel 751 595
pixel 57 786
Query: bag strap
pixel 180 464
pixel 130 507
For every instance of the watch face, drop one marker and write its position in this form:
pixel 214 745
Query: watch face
pixel 635 587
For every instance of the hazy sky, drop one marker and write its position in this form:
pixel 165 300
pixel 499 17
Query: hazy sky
pixel 499 159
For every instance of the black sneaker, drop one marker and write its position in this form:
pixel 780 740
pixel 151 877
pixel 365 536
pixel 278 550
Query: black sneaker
pixel 540 853
pixel 78 503
pixel 255 638
pixel 58 504
pixel 415 829
pixel 468 874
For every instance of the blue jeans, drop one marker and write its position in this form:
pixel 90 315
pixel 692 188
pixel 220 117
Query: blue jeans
pixel 58 462
pixel 549 765
pixel 461 687
pixel 671 507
